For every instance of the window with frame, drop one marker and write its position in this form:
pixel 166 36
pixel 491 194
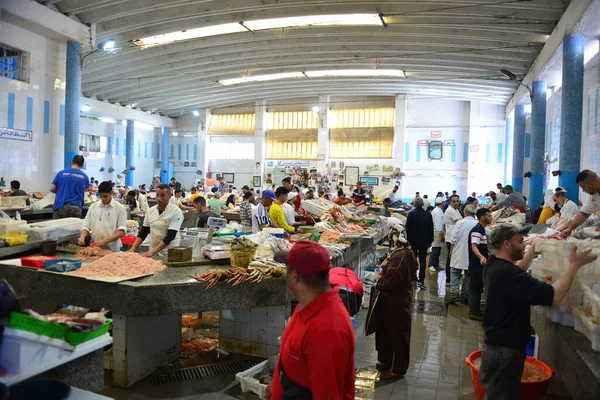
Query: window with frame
pixel 230 147
pixel 14 64
pixel 292 135
pixel 93 143
pixel 361 133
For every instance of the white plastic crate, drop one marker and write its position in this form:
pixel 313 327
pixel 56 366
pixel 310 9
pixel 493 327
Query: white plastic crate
pixel 251 384
pixel 591 300
pixel 54 229
pixel 12 226
pixel 560 314
pixel 584 324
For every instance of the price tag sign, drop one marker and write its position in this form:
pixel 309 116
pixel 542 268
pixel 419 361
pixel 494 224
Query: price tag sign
pixel 423 143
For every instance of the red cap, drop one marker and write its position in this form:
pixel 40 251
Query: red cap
pixel 306 257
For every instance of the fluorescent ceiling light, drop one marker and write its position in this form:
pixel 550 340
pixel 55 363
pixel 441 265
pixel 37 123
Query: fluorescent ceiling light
pixel 396 73
pixel 108 120
pixel 174 133
pixel 260 25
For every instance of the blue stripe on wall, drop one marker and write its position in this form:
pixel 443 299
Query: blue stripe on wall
pixel 500 153
pixel 488 150
pixel 406 152
pixel 418 153
pixel 527 145
pixel 29 116
pixel 187 151
pixel 117 147
pixel 46 117
pixel 109 144
pixel 596 113
pixel 453 153
pixel 465 152
pixel 61 122
pixel 589 115
pixel 152 151
pixel 195 152
pixel 139 149
pixel 179 151
pixel 10 123
pixel 145 149
pixel 172 151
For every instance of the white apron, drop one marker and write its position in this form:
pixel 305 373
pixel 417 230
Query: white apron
pixel 103 230
pixel 158 231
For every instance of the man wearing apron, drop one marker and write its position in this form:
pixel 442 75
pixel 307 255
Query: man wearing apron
pixel 162 223
pixel 105 221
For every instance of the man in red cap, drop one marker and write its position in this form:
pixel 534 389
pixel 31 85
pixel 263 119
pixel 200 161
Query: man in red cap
pixel 316 359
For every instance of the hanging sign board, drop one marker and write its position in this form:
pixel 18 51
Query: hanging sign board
pixel 293 164
pixel 423 143
pixel 474 148
pixel 16 134
pixel 448 142
pixel 436 134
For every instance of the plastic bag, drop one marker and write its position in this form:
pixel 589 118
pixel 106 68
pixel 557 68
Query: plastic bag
pixel 4 215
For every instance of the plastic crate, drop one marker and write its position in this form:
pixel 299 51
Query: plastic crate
pixel 560 314
pixel 250 384
pixel 12 226
pixel 585 325
pixel 36 261
pixel 14 239
pixel 49 263
pixel 128 239
pixel 54 229
pixel 76 338
pixel 27 323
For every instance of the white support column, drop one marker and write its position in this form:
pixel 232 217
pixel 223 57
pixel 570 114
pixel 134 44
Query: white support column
pixel 260 138
pixel 400 112
pixel 323 138
pixel 201 158
pixel 474 136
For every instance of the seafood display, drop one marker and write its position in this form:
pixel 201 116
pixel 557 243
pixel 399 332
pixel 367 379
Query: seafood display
pixel 237 276
pixel 94 253
pixel 120 265
pixel 87 323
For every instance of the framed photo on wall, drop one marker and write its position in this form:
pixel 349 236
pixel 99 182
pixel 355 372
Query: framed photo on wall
pixel 435 150
pixel 256 181
pixel 370 180
pixel 228 177
pixel 351 174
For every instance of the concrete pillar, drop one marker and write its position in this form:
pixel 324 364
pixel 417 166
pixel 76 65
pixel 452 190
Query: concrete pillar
pixel 323 138
pixel 201 159
pixel 474 170
pixel 260 139
pixel 400 110
pixel 164 155
pixel 508 143
pixel 518 149
pixel 129 149
pixel 72 96
pixel 571 114
pixel 538 137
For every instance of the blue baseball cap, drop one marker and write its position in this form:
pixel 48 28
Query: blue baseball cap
pixel 269 194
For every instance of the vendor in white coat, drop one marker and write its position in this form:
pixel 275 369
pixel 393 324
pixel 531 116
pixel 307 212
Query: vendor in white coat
pixel 567 207
pixel 105 221
pixel 162 223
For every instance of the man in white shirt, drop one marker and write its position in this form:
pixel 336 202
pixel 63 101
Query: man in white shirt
pixel 568 208
pixel 438 234
pixel 105 221
pixel 426 202
pixel 162 223
pixel 460 256
pixel 500 196
pixel 589 182
pixel 451 217
pixel 389 194
pixel 142 201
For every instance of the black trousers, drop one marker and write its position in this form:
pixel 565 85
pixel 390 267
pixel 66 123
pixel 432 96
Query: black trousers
pixel 421 254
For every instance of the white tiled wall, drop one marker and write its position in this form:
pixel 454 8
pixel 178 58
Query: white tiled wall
pixel 254 331
pixel 142 344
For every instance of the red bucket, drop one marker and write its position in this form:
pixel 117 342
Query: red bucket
pixel 527 390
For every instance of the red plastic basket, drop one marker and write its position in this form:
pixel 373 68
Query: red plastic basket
pixel 128 239
pixel 527 390
pixel 36 261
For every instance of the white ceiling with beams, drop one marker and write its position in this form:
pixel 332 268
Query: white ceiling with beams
pixel 450 49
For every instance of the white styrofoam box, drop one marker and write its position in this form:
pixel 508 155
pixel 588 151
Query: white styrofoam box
pixel 251 384
pixel 585 325
pixel 591 300
pixel 560 314
pixel 555 253
pixel 54 229
pixel 12 226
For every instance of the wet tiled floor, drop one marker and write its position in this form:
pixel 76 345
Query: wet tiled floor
pixel 437 370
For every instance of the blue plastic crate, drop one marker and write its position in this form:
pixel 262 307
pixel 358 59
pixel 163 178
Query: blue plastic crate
pixel 50 265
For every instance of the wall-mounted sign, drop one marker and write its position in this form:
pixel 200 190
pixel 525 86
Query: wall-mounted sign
pixel 293 164
pixel 321 157
pixel 474 148
pixel 436 134
pixel 16 134
pixel 448 142
pixel 423 143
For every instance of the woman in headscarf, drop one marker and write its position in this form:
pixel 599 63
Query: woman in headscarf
pixel 548 211
pixel 392 333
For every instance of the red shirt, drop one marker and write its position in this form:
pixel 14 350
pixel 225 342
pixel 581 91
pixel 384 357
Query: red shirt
pixel 317 350
pixel 344 277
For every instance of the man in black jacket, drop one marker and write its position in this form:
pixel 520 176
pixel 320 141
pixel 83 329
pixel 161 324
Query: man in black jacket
pixel 419 231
